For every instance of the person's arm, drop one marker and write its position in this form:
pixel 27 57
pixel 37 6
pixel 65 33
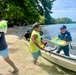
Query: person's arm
pixel 0 34
pixel 59 35
pixel 71 45
pixel 34 37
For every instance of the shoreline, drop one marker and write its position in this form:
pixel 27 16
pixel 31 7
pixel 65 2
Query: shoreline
pixel 20 55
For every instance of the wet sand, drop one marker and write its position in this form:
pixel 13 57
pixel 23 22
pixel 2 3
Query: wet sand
pixel 20 55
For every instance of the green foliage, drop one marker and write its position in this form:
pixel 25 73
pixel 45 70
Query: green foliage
pixel 22 12
pixel 63 20
pixel 42 20
pixel 74 21
pixel 47 6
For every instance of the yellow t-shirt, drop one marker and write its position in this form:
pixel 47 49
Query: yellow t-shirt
pixel 33 47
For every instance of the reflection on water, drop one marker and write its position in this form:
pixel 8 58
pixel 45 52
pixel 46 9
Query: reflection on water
pixel 51 31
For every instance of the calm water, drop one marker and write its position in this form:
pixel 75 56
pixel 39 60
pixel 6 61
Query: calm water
pixel 51 31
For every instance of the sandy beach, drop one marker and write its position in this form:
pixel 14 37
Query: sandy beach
pixel 20 55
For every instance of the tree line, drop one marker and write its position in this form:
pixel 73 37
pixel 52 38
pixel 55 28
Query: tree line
pixel 63 20
pixel 25 12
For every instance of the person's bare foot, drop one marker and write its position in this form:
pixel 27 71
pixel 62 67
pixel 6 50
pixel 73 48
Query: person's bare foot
pixel 16 70
pixel 34 61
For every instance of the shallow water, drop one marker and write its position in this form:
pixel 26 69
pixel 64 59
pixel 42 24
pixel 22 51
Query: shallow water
pixel 51 31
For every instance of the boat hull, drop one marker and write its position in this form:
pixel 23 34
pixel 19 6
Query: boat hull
pixel 61 60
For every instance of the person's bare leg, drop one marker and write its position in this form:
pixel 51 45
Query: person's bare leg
pixel 11 64
pixel 35 61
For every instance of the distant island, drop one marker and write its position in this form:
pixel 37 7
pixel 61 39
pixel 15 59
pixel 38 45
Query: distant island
pixel 63 20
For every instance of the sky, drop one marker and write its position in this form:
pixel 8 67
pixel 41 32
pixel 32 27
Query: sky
pixel 64 8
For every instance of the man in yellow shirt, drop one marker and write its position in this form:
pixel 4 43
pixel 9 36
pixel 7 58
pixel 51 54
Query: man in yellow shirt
pixel 35 42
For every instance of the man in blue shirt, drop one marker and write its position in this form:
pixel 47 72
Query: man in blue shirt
pixel 66 36
pixel 4 52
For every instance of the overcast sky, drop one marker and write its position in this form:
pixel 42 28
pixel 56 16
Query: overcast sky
pixel 64 8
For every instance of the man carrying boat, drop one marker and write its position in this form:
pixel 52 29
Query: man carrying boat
pixel 66 36
pixel 35 42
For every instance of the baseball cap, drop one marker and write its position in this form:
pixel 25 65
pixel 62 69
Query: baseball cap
pixel 63 27
pixel 35 25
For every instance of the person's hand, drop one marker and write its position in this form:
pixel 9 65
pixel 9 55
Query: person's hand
pixel 45 43
pixel 67 43
pixel 71 46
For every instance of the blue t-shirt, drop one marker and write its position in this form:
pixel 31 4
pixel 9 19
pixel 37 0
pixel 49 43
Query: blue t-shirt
pixel 65 36
pixel 3 44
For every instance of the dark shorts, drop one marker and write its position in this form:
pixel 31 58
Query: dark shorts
pixel 64 48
